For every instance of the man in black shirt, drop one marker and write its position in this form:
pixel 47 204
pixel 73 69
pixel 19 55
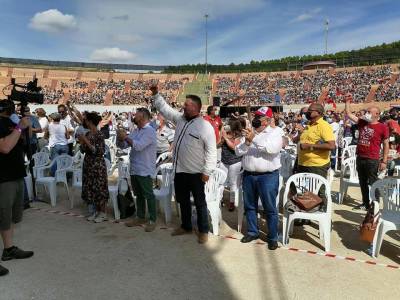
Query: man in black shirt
pixel 12 173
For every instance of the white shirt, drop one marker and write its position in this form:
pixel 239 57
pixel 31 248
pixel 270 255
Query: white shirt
pixel 57 135
pixel 263 154
pixel 195 149
pixel 335 127
pixel 44 123
pixel 67 123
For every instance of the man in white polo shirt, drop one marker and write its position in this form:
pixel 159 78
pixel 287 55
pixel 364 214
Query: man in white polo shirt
pixel 260 148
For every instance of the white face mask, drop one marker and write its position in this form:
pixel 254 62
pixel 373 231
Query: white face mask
pixel 367 117
pixel 158 123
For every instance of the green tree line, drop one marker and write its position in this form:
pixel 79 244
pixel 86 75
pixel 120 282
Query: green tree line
pixel 373 55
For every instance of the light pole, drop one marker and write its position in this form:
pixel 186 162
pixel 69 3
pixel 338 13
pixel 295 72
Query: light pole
pixel 206 16
pixel 326 35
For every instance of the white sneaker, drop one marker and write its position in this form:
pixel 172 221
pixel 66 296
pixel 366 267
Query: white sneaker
pixel 101 217
pixel 92 217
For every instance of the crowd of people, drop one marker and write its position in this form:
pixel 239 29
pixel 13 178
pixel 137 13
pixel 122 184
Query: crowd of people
pixel 246 147
pixel 258 89
pixel 79 92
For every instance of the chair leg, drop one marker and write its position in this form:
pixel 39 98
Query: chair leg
pixel 114 201
pixel 167 210
pixel 215 222
pixel 324 227
pixel 378 239
pixel 53 193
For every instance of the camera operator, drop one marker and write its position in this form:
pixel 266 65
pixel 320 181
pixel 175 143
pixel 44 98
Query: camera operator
pixel 12 173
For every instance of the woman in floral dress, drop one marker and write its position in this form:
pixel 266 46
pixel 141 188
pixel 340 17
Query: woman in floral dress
pixel 94 171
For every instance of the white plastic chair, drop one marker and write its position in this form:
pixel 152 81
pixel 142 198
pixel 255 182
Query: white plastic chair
pixel 390 216
pixel 241 201
pixel 163 156
pixel 287 164
pixel 64 163
pixel 347 141
pixel 123 174
pixel 312 183
pixel 212 191
pixel 29 186
pixel 76 183
pixel 348 167
pixel 41 159
pixel 164 193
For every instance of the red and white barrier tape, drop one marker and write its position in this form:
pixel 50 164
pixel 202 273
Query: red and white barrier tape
pixel 328 255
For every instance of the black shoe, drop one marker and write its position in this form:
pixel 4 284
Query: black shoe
pixel 3 271
pixel 248 238
pixel 360 207
pixel 15 253
pixel 272 245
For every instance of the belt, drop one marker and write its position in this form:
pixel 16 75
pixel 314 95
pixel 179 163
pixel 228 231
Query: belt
pixel 259 173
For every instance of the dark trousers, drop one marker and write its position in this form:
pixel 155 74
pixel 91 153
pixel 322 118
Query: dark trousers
pixel 143 189
pixel 185 184
pixel 367 174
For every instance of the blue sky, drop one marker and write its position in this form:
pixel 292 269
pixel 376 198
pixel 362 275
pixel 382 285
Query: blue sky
pixel 172 31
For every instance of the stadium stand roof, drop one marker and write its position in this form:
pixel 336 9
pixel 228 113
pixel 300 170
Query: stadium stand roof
pixel 71 64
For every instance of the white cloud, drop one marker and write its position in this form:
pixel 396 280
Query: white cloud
pixel 52 20
pixel 308 15
pixel 112 55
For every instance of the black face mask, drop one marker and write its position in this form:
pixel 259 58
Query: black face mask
pixel 84 124
pixel 393 116
pixel 256 123
pixel 308 115
pixel 135 121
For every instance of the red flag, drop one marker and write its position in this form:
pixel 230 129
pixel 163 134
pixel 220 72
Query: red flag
pixel 329 100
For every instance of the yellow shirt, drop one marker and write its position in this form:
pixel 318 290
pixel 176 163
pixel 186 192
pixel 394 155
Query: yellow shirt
pixel 317 133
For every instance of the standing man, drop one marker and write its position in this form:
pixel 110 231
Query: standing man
pixel 44 124
pixel 260 149
pixel 165 136
pixel 316 143
pixel 34 129
pixel 215 121
pixel 143 142
pixel 67 122
pixel 372 135
pixel 12 173
pixel 194 159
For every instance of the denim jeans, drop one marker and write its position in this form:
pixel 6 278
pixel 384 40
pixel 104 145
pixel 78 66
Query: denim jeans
pixel 266 187
pixel 55 151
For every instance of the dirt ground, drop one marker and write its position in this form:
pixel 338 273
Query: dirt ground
pixel 75 259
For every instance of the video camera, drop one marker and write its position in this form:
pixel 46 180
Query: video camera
pixel 30 92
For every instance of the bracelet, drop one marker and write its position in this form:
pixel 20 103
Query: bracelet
pixel 19 129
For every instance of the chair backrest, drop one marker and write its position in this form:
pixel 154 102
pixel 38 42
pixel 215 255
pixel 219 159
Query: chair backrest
pixel 347 141
pixel 287 161
pixel 349 164
pixel 108 167
pixel 310 182
pixel 77 178
pixel 123 170
pixel 41 159
pixel 45 150
pixel 78 158
pixel 166 174
pixel 163 156
pixel 64 162
pixel 389 190
pixel 211 188
pixel 349 151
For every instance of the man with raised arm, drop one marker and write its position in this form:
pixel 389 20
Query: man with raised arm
pixel 194 159
pixel 372 135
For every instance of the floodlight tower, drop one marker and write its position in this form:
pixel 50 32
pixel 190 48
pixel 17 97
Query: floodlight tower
pixel 326 35
pixel 206 17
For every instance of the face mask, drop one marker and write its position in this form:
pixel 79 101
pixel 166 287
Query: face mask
pixel 135 121
pixel 304 117
pixel 367 117
pixel 158 123
pixel 394 117
pixel 256 123
pixel 329 120
pixel 308 115
pixel 14 118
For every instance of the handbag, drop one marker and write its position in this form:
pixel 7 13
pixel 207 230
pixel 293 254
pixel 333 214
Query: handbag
pixel 368 226
pixel 306 201
pixel 126 204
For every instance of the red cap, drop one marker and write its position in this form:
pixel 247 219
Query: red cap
pixel 264 112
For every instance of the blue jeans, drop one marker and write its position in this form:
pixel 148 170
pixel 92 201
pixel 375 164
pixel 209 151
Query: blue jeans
pixel 266 187
pixel 55 151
